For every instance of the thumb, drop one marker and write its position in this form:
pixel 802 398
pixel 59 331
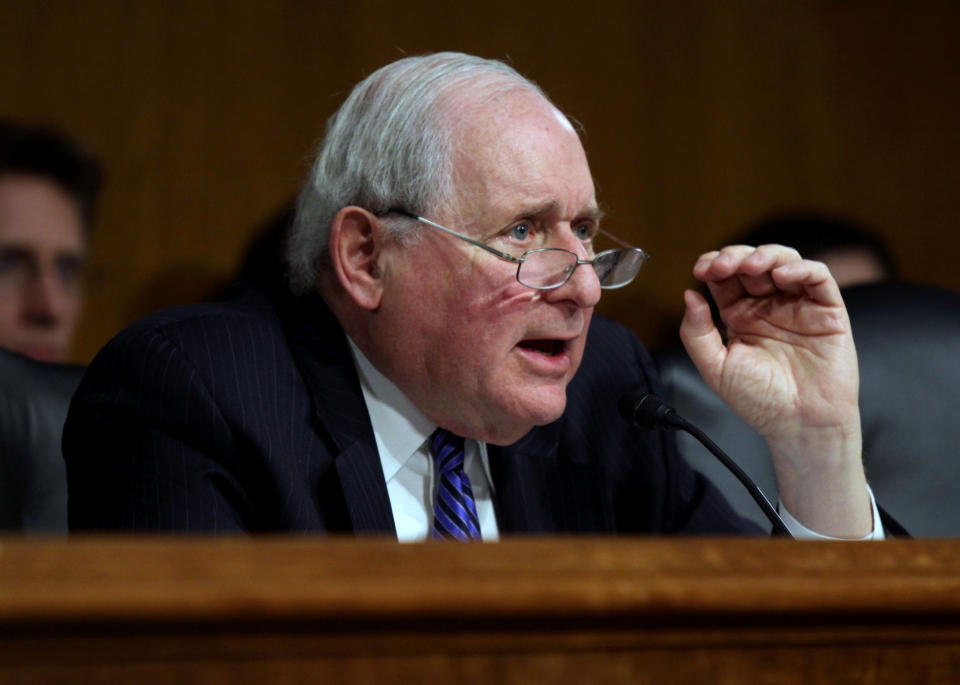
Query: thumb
pixel 702 339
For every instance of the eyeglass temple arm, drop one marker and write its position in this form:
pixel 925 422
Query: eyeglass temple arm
pixel 491 250
pixel 618 241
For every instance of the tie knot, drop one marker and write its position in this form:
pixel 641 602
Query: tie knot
pixel 447 450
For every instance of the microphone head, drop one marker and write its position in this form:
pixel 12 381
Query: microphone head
pixel 645 409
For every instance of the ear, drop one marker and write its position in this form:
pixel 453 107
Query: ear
pixel 356 239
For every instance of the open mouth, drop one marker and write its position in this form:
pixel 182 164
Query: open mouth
pixel 550 348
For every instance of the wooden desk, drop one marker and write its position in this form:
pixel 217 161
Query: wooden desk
pixel 579 610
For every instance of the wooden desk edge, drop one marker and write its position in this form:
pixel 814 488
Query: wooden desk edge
pixel 114 579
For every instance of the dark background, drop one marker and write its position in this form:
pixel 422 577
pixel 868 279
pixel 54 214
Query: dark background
pixel 700 116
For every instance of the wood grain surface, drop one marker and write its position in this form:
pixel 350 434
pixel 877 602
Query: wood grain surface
pixel 166 609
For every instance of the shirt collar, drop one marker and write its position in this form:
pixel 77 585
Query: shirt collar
pixel 398 426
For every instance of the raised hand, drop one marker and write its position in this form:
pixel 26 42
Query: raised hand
pixel 789 368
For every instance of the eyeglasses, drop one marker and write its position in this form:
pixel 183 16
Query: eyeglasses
pixel 21 267
pixel 546 268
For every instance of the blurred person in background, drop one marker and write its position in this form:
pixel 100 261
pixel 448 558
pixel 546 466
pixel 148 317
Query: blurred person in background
pixel 48 192
pixel 852 252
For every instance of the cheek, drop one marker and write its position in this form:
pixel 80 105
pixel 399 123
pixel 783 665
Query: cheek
pixel 466 315
pixel 74 300
pixel 576 352
pixel 494 317
pixel 10 308
pixel 71 313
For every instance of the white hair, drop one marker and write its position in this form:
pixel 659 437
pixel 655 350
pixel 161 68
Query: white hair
pixel 390 145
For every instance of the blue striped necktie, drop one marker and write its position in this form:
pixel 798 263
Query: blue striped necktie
pixel 455 512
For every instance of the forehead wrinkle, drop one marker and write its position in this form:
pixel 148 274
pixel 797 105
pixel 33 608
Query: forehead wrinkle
pixel 507 174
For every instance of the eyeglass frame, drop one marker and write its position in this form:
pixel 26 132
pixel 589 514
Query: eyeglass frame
pixel 522 258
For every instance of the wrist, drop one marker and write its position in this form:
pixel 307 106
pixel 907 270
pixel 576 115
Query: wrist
pixel 821 479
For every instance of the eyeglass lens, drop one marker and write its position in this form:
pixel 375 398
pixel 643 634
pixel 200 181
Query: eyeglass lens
pixel 616 268
pixel 546 268
pixel 550 268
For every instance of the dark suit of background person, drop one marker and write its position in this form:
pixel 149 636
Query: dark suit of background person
pixel 249 416
pixel 33 404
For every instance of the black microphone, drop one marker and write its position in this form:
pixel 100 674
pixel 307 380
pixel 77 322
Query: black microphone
pixel 649 411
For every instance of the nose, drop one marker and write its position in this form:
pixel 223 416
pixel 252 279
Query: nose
pixel 583 286
pixel 44 299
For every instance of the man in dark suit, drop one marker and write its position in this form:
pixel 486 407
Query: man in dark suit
pixel 445 274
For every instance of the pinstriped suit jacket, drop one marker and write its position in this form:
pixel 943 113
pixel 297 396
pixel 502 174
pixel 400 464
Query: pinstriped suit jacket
pixel 247 415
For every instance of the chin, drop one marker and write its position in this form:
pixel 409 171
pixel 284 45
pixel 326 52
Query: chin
pixel 42 353
pixel 523 418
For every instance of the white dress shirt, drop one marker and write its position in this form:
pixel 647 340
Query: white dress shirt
pixel 401 432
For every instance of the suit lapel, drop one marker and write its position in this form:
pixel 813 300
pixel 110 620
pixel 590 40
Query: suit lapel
pixel 322 354
pixel 521 474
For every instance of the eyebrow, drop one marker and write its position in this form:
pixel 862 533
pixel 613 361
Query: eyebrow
pixel 27 246
pixel 552 207
pixel 17 250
